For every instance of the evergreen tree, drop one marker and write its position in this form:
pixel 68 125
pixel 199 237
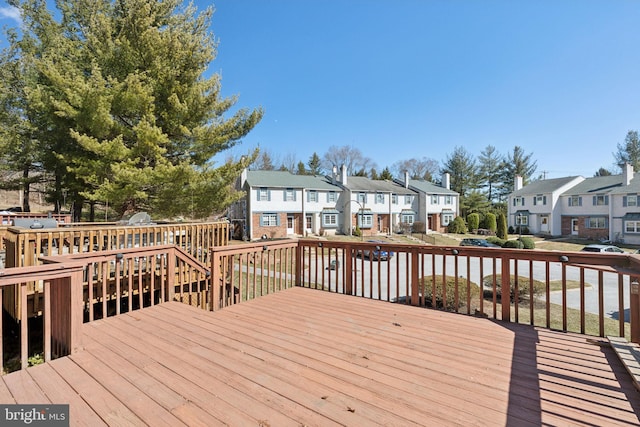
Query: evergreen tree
pixel 124 112
pixel 301 169
pixel 461 167
pixel 490 170
pixel 629 151
pixel 501 231
pixel 315 164
pixel 373 174
pixel 602 172
pixel 386 174
pixel 516 164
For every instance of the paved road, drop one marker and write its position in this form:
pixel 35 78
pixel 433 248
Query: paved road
pixel 397 267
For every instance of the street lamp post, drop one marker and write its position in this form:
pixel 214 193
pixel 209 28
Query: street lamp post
pixel 361 213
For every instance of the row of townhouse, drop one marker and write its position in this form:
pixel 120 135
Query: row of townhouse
pixel 602 207
pixel 280 204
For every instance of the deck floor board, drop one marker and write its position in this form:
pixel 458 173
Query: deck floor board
pixel 307 357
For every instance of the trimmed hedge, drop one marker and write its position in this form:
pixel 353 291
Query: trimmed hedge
pixel 427 292
pixel 527 242
pixel 514 244
pixel 523 287
pixel 496 240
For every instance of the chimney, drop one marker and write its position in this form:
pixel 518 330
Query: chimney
pixel 243 177
pixel 446 180
pixel 406 179
pixel 627 174
pixel 343 173
pixel 334 174
pixel 517 185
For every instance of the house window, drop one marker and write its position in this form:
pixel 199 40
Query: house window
pixel 446 219
pixel 289 195
pixel 540 200
pixel 379 198
pixel 332 196
pixel 518 201
pixel 312 196
pixel 630 200
pixel 600 200
pixel 448 200
pixel 263 195
pixel 365 220
pixel 269 220
pixel 522 219
pixel 575 201
pixel 408 218
pixel 408 199
pixel 394 199
pixel 362 198
pixel 330 220
pixel 632 226
pixel 434 199
pixel 597 222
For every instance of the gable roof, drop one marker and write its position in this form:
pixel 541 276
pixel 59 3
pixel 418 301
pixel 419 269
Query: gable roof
pixel 633 187
pixel 361 183
pixel 543 186
pixel 285 179
pixel 429 187
pixel 596 184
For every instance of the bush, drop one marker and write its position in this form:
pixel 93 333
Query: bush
pixel 489 222
pixel 527 242
pixel 473 221
pixel 502 226
pixel 511 230
pixel 457 226
pixel 419 227
pixel 427 292
pixel 405 227
pixel 523 288
pixel 357 232
pixel 515 244
pixel 496 240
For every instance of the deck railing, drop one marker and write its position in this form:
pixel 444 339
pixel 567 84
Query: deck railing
pixel 593 294
pixel 86 287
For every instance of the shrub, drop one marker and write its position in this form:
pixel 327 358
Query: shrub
pixel 496 240
pixel 357 232
pixel 427 292
pixel 527 242
pixel 405 227
pixel 501 232
pixel 473 221
pixel 515 244
pixel 489 222
pixel 511 230
pixel 419 227
pixel 523 288
pixel 457 226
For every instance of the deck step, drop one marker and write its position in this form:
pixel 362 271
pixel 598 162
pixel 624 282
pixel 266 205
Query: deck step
pixel 629 354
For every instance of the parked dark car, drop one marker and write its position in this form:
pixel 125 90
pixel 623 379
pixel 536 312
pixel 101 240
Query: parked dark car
pixel 602 248
pixel 478 242
pixel 377 255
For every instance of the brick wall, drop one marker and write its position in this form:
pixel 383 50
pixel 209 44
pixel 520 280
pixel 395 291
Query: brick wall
pixel 271 232
pixel 583 231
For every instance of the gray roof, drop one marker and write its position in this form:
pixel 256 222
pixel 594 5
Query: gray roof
pixel 361 183
pixel 596 184
pixel 544 186
pixel 633 187
pixel 280 179
pixel 429 187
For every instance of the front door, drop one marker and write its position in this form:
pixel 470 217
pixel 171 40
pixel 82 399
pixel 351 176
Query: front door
pixel 544 224
pixel 574 226
pixel 290 224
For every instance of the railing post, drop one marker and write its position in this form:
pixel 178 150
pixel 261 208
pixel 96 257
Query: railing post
pixel 348 270
pixel 299 261
pixel 505 288
pixel 216 282
pixel 415 278
pixel 171 274
pixel 76 310
pixel 635 310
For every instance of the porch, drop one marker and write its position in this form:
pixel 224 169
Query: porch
pixel 308 357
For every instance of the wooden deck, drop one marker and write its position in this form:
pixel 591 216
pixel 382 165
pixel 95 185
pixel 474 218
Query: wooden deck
pixel 306 357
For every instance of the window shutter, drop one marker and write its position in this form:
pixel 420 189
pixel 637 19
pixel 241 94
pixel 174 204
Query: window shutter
pixel 308 197
pixel 606 200
pixel 284 195
pixel 587 222
pixel 594 201
pixel 261 220
pixel 258 194
pixel 295 193
pixel 580 201
pixel 514 201
pixel 570 201
pixel 544 200
pixel 534 200
pixel 277 219
pixel 624 201
pixel 269 195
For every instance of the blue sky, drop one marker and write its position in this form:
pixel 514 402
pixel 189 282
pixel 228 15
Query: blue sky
pixel 416 78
